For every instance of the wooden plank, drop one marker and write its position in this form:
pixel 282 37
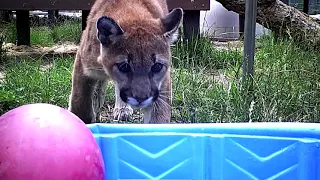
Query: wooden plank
pixel 189 5
pixel 46 4
pixel 86 4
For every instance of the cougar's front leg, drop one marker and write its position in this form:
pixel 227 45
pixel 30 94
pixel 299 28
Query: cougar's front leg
pixel 122 111
pixel 81 97
pixel 160 111
pixel 99 98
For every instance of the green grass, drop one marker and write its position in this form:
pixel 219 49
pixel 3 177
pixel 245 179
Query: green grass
pixel 47 36
pixel 30 81
pixel 286 84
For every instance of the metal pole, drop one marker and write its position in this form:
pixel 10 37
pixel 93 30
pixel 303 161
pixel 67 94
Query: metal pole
pixel 249 48
pixel 249 37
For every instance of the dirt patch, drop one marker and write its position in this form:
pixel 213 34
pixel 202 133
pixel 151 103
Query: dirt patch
pixel 229 45
pixel 38 51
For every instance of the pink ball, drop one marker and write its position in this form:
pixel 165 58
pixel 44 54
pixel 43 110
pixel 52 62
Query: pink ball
pixel 46 142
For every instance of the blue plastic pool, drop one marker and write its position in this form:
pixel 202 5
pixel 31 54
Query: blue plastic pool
pixel 246 151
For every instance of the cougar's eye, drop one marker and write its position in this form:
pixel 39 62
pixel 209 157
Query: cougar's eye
pixel 124 67
pixel 156 67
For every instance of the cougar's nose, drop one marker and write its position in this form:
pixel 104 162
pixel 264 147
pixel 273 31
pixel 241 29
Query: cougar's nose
pixel 140 100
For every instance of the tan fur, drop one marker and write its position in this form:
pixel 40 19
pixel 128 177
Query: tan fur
pixel 144 42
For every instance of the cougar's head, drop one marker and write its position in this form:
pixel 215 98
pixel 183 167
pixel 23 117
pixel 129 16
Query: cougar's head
pixel 136 55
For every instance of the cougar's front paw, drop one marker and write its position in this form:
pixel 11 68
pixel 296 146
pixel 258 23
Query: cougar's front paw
pixel 123 113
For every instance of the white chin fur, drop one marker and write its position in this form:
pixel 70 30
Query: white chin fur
pixel 133 102
pixel 147 102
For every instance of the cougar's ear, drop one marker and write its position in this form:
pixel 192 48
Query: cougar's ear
pixel 171 24
pixel 108 30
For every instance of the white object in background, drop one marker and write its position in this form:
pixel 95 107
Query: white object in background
pixel 316 16
pixel 219 22
pixel 261 30
pixel 223 24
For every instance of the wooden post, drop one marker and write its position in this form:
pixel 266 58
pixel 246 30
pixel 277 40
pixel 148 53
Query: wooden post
pixel 306 6
pixel 241 26
pixel 7 15
pixel 56 14
pixel 191 24
pixel 85 14
pixel 51 18
pixel 23 27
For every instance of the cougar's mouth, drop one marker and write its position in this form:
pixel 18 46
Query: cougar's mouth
pixel 139 102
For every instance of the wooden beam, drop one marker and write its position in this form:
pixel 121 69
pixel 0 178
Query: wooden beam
pixel 191 16
pixel 86 4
